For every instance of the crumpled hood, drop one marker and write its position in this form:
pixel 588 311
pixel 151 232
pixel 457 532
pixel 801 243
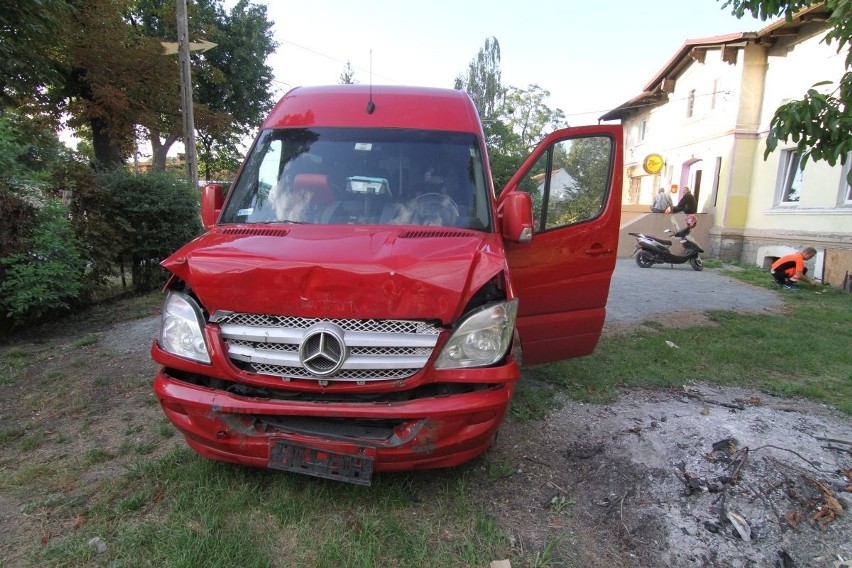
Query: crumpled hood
pixel 329 271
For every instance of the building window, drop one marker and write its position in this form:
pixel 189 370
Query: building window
pixel 713 94
pixel 791 177
pixel 845 197
pixel 690 104
pixel 643 129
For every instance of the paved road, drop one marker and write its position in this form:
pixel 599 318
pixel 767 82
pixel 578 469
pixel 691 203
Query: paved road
pixel 638 294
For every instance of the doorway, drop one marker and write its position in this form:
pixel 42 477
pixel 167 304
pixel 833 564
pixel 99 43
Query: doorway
pixel 696 185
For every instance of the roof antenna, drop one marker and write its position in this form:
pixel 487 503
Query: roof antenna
pixel 371 106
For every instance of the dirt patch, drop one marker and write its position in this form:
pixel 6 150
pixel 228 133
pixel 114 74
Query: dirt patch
pixel 79 413
pixel 672 320
pixel 666 478
pixel 658 478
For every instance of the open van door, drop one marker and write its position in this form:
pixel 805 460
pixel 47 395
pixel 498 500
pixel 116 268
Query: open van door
pixel 562 276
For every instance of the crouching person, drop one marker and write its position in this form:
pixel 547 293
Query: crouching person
pixel 790 269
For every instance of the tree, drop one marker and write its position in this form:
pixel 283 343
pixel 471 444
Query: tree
pixel 113 77
pixel 483 83
pixel 820 123
pixel 483 80
pixel 588 163
pixel 102 63
pixel 28 32
pixel 529 117
pixel 231 81
pixel 347 76
pixel 513 119
pixel 219 157
pixel 505 152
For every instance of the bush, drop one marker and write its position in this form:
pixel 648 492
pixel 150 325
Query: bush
pixel 46 277
pixel 17 216
pixel 41 265
pixel 96 221
pixel 53 257
pixel 27 149
pixel 154 214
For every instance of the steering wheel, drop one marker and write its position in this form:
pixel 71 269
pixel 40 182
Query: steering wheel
pixel 435 209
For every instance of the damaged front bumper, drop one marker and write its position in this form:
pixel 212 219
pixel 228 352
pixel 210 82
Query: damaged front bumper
pixel 347 441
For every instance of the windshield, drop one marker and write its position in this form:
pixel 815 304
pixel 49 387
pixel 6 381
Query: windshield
pixel 362 176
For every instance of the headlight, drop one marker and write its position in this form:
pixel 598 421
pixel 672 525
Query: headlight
pixel 180 329
pixel 482 338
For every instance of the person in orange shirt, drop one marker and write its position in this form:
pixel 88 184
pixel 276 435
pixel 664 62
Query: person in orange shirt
pixel 791 268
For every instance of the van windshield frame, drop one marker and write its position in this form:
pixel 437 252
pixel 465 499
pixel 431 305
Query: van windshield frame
pixel 361 176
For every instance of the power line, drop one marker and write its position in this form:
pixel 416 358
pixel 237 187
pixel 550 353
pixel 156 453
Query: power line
pixel 336 60
pixel 369 73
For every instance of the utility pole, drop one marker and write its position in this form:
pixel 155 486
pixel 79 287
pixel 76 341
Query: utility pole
pixel 186 93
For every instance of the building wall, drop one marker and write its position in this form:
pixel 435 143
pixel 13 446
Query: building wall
pixel 725 139
pixel 793 67
pixel 820 218
pixel 700 141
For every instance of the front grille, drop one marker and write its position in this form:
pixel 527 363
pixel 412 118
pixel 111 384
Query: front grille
pixel 372 350
pixel 357 376
pixel 341 429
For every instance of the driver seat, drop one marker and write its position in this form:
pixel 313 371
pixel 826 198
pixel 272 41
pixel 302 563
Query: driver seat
pixel 315 186
pixel 317 195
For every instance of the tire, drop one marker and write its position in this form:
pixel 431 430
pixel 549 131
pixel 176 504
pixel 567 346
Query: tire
pixel 697 263
pixel 645 260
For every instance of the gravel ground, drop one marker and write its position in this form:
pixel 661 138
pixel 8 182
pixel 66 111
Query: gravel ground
pixel 637 294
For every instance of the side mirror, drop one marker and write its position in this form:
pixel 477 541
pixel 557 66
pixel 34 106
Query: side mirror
pixel 516 214
pixel 212 198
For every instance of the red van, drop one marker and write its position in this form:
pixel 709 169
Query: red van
pixel 361 299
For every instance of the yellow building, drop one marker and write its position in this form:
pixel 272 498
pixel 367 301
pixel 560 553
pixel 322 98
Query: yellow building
pixel 702 122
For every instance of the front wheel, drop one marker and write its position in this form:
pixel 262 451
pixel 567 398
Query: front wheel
pixel 696 262
pixel 645 260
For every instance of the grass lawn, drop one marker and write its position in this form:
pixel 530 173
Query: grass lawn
pixel 162 505
pixel 806 351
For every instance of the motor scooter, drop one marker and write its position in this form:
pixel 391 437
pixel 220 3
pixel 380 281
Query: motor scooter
pixel 652 250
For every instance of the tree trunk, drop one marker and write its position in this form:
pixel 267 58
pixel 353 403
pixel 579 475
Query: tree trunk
pixel 108 154
pixel 160 149
pixel 207 141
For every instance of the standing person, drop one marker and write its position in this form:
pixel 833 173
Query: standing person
pixel 791 268
pixel 661 202
pixel 686 203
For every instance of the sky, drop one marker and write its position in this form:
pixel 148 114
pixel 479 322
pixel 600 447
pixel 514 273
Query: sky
pixel 590 55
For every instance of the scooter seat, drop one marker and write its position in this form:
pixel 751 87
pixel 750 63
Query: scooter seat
pixel 662 241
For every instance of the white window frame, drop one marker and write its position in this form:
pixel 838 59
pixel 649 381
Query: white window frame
pixel 844 196
pixel 790 178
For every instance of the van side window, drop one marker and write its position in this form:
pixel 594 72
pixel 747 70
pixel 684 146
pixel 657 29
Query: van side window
pixel 568 183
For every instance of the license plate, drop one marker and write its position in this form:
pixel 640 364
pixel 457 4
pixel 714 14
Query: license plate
pixel 351 468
